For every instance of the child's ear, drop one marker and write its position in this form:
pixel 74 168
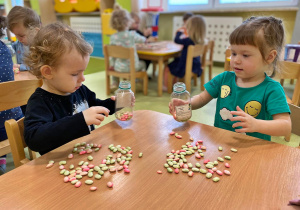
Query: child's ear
pixel 272 55
pixel 47 72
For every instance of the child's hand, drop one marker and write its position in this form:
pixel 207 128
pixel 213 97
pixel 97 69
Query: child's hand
pixel 246 121
pixel 151 39
pixel 95 115
pixel 16 66
pixel 173 103
pixel 181 29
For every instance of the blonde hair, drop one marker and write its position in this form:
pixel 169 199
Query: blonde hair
pixel 51 43
pixel 196 29
pixel 120 18
pixel 265 33
pixel 24 15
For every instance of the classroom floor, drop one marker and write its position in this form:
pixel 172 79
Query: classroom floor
pixel 96 82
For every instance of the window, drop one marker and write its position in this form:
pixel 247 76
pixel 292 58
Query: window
pixel 189 5
pixel 254 3
pixel 194 5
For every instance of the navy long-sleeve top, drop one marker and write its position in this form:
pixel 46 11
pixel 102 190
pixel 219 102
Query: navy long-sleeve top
pixel 177 67
pixel 52 120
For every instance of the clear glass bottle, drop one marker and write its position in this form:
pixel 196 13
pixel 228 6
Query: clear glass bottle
pixel 124 101
pixel 181 102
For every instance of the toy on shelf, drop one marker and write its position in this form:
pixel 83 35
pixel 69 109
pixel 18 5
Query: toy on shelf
pixel 67 6
pixel 154 11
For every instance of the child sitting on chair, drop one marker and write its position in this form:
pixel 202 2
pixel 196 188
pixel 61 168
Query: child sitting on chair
pixel 63 109
pixel 120 21
pixel 24 23
pixel 196 28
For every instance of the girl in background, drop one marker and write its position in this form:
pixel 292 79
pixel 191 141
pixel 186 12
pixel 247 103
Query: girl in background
pixel 120 21
pixel 196 29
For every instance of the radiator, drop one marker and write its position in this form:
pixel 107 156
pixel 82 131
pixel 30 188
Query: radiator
pixel 217 29
pixel 86 24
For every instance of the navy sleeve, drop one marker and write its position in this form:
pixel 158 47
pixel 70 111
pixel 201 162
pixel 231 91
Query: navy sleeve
pixel 93 101
pixel 43 134
pixel 186 41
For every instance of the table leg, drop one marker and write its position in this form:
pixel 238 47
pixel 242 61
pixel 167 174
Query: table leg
pixel 160 75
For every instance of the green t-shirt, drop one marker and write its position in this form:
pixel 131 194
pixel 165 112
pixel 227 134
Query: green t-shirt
pixel 262 101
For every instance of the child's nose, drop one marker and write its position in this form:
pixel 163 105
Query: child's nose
pixel 82 78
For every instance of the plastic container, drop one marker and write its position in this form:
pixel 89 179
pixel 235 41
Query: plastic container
pixel 181 102
pixel 124 101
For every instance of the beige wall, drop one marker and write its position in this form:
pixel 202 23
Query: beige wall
pixel 288 17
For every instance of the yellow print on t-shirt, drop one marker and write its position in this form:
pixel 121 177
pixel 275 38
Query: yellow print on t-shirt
pixel 225 90
pixel 253 108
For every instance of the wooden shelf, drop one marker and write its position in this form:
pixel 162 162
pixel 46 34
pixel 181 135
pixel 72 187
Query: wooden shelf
pixel 78 14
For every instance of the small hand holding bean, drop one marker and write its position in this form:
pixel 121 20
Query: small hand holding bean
pixel 95 115
pixel 246 121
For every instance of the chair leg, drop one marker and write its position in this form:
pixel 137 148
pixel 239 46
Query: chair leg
pixel 145 83
pixel 202 79
pixel 132 81
pixel 154 69
pixel 107 85
pixel 170 82
pixel 210 72
pixel 292 81
pixel 32 154
pixel 281 82
pixel 195 79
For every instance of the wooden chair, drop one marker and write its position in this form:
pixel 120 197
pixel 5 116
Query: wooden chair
pixel 123 53
pixel 209 62
pixel 227 60
pixel 291 70
pixel 192 52
pixel 14 94
pixel 295 118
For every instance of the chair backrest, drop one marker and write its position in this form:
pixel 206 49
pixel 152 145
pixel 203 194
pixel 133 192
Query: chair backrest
pixel 210 50
pixel 14 94
pixel 123 53
pixel 192 52
pixel 291 70
pixel 119 52
pixel 295 118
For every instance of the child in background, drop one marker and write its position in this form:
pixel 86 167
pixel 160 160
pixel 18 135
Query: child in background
pixel 63 109
pixel 147 32
pixel 259 101
pixel 135 25
pixel 7 74
pixel 24 23
pixel 120 21
pixel 185 17
pixel 196 28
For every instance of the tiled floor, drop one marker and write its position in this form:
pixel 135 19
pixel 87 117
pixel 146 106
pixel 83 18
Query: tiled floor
pixel 96 82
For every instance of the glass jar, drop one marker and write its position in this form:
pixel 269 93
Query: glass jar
pixel 181 102
pixel 124 101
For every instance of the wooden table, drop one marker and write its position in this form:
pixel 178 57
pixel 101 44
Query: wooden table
pixel 168 50
pixel 264 175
